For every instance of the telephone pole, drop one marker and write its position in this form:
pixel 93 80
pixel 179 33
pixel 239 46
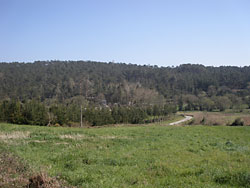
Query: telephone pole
pixel 81 100
pixel 81 115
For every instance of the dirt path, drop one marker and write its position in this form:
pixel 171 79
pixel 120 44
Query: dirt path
pixel 187 118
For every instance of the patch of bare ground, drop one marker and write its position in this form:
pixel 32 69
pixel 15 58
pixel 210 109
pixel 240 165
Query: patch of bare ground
pixel 39 141
pixel 73 137
pixel 80 136
pixel 12 172
pixel 14 135
pixel 114 137
pixel 17 174
pixel 61 143
pixel 246 120
pixel 42 180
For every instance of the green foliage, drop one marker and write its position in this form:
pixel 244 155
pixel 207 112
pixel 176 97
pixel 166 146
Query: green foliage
pixel 32 112
pixel 97 116
pixel 139 156
pixel 240 179
pixel 52 92
pixel 36 113
pixel 59 114
pixel 191 87
pixel 238 122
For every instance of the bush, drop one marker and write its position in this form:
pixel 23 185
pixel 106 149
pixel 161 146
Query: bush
pixel 236 179
pixel 238 122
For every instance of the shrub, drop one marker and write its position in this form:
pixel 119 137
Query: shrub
pixel 236 179
pixel 238 122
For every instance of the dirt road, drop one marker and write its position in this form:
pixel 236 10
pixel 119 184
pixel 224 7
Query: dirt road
pixel 187 118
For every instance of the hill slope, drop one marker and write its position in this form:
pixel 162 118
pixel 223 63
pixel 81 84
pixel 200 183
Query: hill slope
pixel 119 83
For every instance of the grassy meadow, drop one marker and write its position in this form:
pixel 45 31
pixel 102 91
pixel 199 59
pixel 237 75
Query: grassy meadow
pixel 138 156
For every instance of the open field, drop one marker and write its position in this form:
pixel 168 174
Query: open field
pixel 218 118
pixel 143 156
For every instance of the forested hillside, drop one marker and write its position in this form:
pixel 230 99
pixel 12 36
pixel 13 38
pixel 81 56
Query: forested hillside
pixel 95 84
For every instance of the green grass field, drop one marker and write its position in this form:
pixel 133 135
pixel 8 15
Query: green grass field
pixel 138 156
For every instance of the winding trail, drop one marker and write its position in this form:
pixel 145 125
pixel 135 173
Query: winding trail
pixel 187 118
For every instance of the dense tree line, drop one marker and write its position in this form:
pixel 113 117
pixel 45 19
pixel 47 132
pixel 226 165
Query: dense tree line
pixel 58 88
pixel 36 113
pixel 214 103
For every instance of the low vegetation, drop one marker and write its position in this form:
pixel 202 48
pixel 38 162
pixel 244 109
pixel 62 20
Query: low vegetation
pixel 138 156
pixel 220 118
pixel 238 122
pixel 14 173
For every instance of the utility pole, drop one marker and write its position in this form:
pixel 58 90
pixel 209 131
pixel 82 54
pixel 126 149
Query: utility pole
pixel 81 93
pixel 81 100
pixel 81 115
pixel 87 87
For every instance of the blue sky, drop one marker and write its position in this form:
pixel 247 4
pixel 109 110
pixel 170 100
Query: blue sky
pixel 156 32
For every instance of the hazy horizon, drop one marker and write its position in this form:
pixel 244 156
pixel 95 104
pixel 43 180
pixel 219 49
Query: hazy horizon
pixel 162 33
